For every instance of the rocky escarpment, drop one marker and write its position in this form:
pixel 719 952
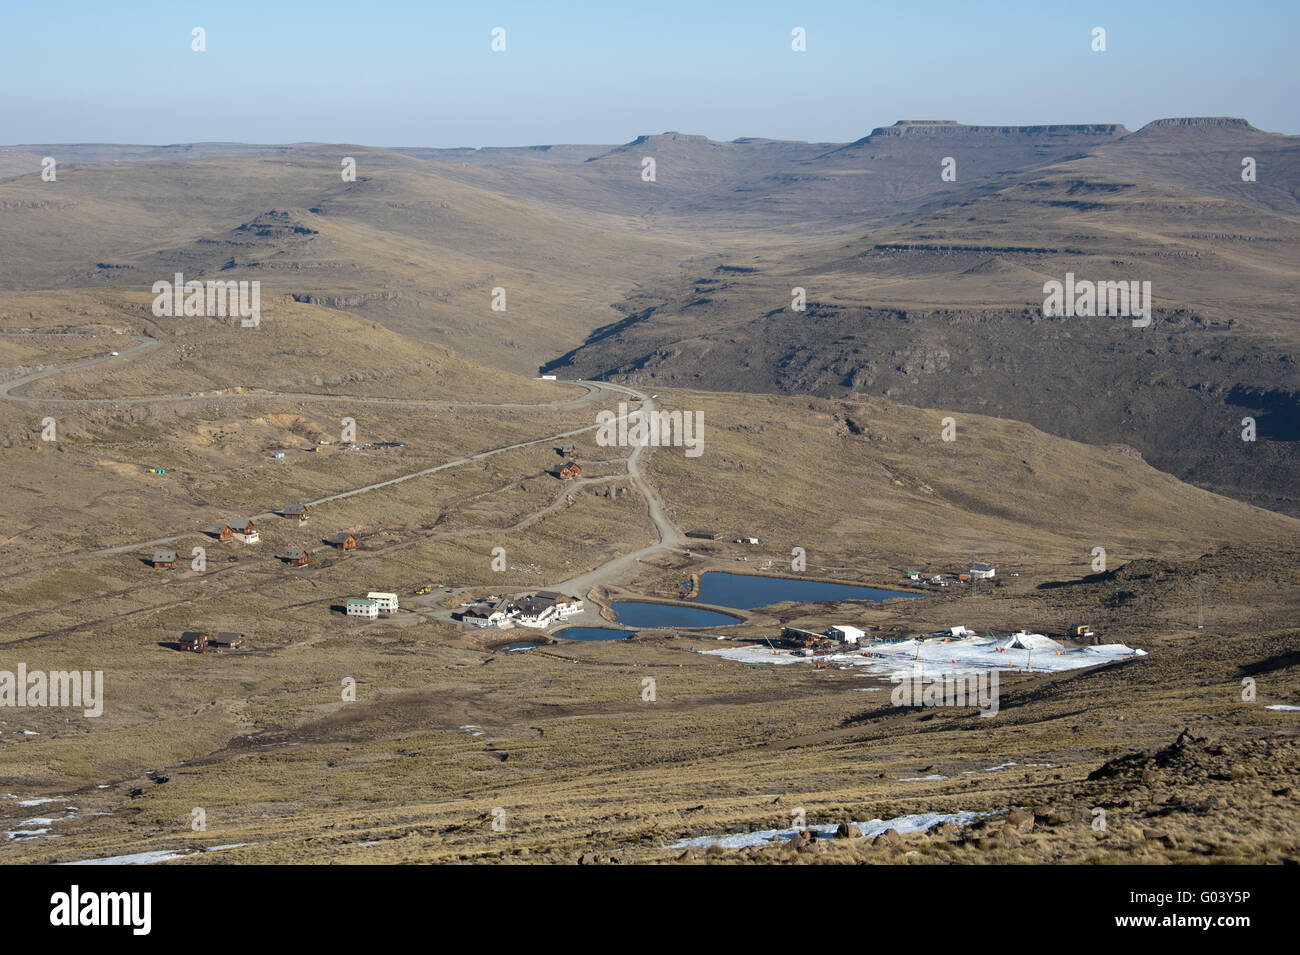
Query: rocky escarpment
pixel 949 129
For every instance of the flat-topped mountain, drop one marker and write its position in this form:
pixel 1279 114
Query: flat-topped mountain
pixel 951 129
pixel 1231 122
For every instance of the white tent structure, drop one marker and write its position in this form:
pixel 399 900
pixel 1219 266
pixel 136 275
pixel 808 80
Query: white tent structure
pixel 845 634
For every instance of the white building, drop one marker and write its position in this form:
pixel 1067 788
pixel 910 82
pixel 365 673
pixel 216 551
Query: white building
pixel 538 617
pixel 845 634
pixel 363 607
pixel 982 571
pixel 252 537
pixel 568 606
pixel 387 602
pixel 484 615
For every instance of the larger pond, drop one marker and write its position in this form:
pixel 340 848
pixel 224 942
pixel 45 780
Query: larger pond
pixel 745 592
pixel 633 613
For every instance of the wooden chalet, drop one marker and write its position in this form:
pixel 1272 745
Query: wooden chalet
pixel 343 541
pixel 226 641
pixel 298 558
pixel 193 641
pixel 570 469
pixel 297 511
pixel 165 558
pixel 222 531
pixel 243 526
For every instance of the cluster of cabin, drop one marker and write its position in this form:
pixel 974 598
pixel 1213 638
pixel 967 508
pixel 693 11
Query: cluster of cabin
pixel 538 610
pixel 568 469
pixel 245 531
pixel 200 641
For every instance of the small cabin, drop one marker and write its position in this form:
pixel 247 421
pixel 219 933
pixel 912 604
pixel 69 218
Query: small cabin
pixel 569 470
pixel 245 527
pixel 297 511
pixel 226 641
pixel 222 531
pixel 568 450
pixel 298 558
pixel 193 641
pixel 165 558
pixel 343 541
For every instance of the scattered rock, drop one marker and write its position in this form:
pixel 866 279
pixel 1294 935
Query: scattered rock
pixel 889 837
pixel 1158 835
pixel 1021 819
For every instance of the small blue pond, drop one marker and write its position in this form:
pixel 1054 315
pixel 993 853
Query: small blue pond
pixel 745 592
pixel 593 633
pixel 637 614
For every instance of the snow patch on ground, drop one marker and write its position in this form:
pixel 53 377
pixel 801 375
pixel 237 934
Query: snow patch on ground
pixel 22 835
pixel 1023 651
pixel 903 824
pixel 149 858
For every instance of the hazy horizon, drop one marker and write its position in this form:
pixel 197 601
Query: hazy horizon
pixel 328 73
pixel 613 142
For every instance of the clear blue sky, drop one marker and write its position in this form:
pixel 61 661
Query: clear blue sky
pixel 422 73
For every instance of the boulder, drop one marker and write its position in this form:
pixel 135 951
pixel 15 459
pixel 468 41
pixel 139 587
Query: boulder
pixel 889 837
pixel 1021 819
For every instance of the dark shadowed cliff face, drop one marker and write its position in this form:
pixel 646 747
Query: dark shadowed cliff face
pixel 1177 393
